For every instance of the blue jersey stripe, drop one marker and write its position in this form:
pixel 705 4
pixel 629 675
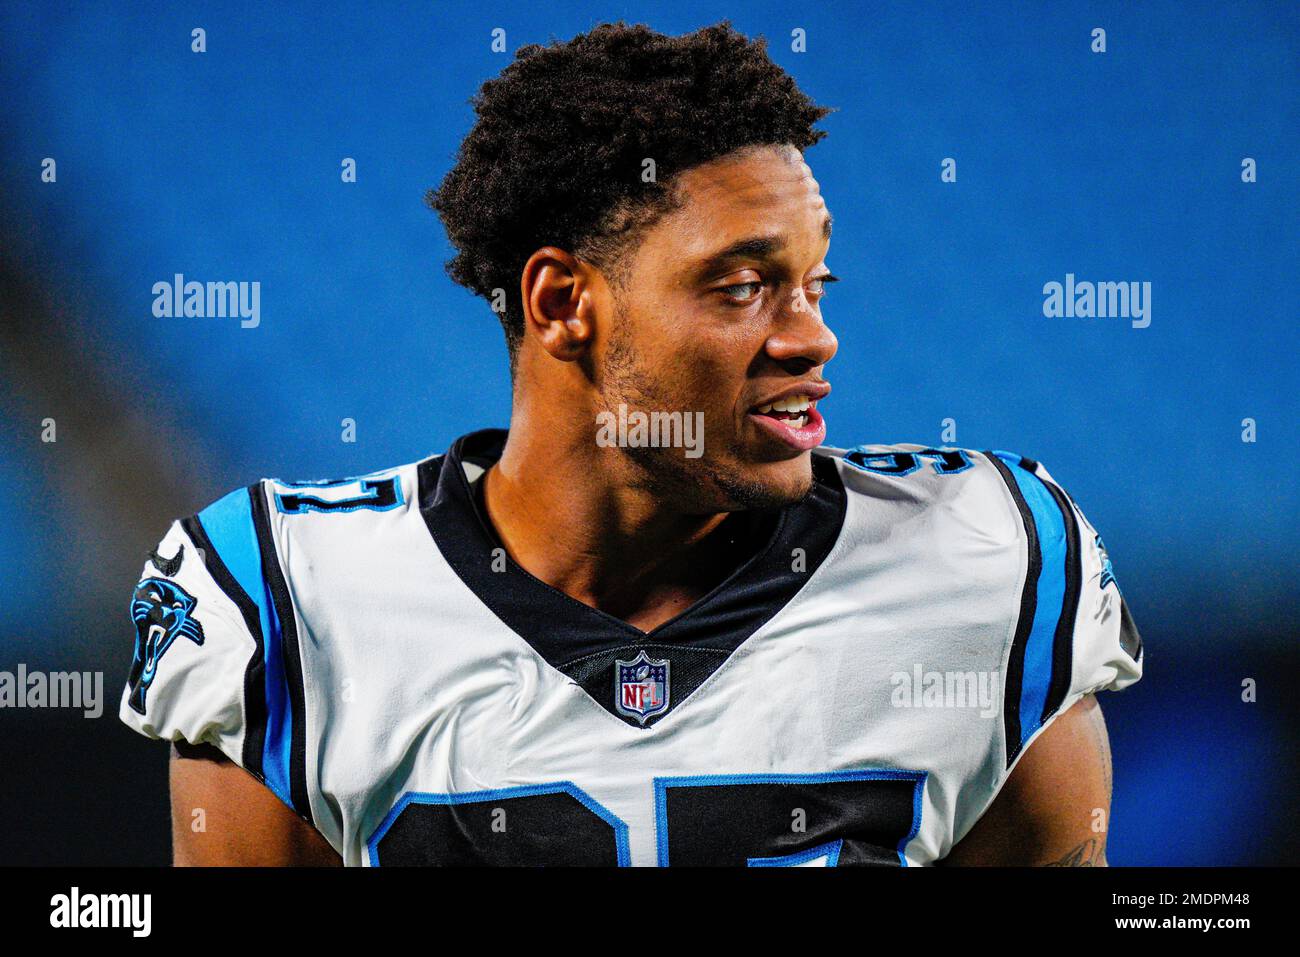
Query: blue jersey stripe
pixel 229 526
pixel 1051 589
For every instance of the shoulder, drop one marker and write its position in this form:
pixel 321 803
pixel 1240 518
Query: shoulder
pixel 216 653
pixel 945 489
pixel 995 487
pixel 241 531
pixel 383 490
pixel 990 522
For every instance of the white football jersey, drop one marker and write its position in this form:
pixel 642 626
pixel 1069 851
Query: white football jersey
pixel 856 692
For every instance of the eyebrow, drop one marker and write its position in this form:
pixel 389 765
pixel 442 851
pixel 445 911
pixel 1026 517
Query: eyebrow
pixel 756 247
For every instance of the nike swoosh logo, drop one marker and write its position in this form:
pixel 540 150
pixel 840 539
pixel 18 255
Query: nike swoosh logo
pixel 168 566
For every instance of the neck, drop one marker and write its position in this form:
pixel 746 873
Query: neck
pixel 567 512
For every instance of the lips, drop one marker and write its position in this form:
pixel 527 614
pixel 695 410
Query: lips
pixel 791 416
pixel 800 430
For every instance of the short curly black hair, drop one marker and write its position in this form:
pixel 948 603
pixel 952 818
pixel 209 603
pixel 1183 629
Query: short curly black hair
pixel 557 154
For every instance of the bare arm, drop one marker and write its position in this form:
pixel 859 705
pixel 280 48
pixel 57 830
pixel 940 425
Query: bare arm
pixel 1054 810
pixel 242 822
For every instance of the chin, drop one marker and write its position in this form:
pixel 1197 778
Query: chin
pixel 768 484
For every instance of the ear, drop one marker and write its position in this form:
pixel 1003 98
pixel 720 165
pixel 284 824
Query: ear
pixel 559 309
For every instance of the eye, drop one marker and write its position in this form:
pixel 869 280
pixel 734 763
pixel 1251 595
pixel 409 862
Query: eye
pixel 177 604
pixel 743 292
pixel 154 596
pixel 817 286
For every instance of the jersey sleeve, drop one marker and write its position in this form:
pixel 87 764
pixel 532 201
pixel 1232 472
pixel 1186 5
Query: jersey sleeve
pixel 1074 634
pixel 207 666
pixel 1108 646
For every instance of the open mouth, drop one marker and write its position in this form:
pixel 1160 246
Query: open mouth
pixel 792 412
pixel 794 420
pixel 156 634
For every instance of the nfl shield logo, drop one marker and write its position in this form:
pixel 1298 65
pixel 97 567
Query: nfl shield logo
pixel 641 687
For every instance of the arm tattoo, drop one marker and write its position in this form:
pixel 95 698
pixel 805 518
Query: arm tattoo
pixel 1091 853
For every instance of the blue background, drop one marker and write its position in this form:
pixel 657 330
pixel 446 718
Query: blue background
pixel 226 166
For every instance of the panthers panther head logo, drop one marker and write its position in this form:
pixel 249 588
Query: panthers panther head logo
pixel 162 611
pixel 1107 570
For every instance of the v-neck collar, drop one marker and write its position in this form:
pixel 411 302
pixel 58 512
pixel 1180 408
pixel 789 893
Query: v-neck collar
pixel 562 629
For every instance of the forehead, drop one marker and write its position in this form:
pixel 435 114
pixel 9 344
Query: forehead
pixel 762 191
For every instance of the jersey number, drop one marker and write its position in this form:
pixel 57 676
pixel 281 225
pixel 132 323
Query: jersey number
pixel 754 820
pixel 948 461
pixel 345 495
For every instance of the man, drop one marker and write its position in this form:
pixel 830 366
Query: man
pixel 593 640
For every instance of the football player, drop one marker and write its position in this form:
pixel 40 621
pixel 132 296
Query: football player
pixel 659 620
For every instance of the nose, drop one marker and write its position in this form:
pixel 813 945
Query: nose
pixel 801 341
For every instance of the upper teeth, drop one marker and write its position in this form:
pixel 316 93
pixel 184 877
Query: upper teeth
pixel 795 403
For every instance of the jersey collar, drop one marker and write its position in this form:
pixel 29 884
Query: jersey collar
pixel 576 638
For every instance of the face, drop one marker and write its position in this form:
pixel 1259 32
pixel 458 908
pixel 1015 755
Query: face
pixel 719 311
